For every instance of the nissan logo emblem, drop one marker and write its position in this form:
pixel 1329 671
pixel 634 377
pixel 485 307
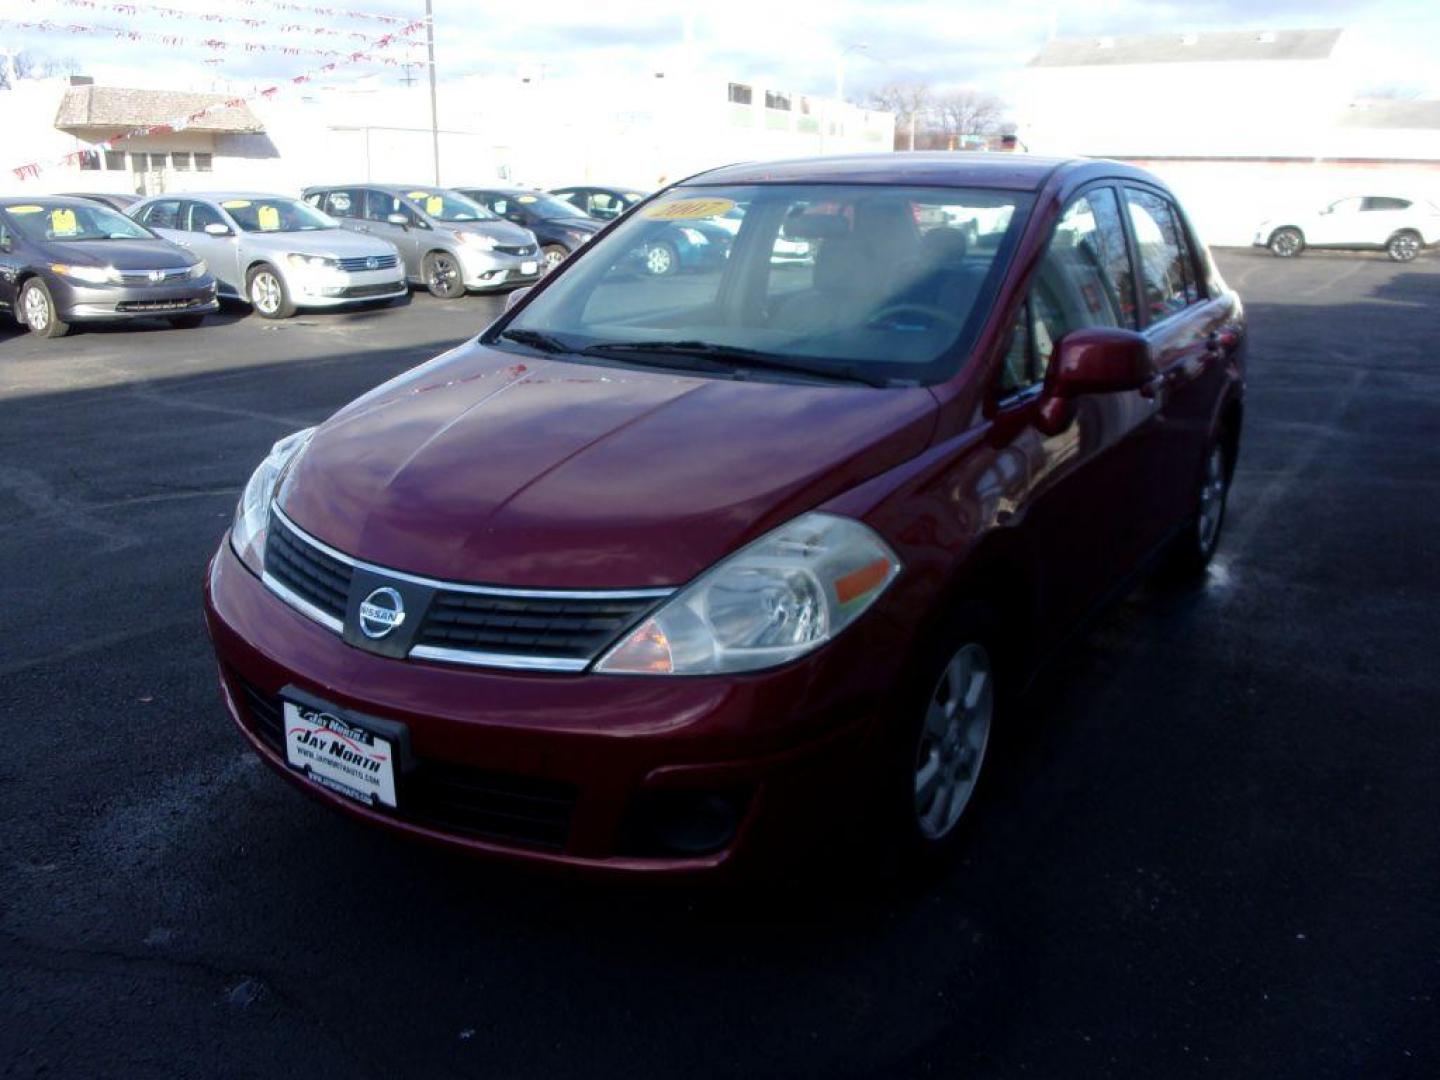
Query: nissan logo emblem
pixel 380 612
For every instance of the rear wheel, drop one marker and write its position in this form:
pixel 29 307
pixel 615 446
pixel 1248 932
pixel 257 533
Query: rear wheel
pixel 1286 243
pixel 442 276
pixel 186 322
pixel 38 311
pixel 661 259
pixel 266 291
pixel 551 256
pixel 1195 547
pixel 1404 246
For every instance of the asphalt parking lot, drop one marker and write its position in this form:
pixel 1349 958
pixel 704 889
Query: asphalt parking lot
pixel 1211 852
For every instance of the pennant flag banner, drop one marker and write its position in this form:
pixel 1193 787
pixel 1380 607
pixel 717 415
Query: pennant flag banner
pixel 404 28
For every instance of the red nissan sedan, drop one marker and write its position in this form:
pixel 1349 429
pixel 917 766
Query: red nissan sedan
pixel 678 574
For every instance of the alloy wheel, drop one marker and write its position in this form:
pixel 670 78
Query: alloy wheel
pixel 659 260
pixel 552 258
pixel 1286 243
pixel 1212 499
pixel 953 741
pixel 36 309
pixel 265 292
pixel 1404 247
pixel 442 273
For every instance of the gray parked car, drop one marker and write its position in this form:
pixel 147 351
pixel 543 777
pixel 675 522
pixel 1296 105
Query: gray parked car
pixel 65 260
pixel 449 243
pixel 274 251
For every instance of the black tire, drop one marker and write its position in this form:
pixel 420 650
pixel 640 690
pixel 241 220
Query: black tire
pixel 920 838
pixel 187 322
pixel 1191 551
pixel 37 309
pixel 266 291
pixel 1286 242
pixel 443 276
pixel 551 256
pixel 661 259
pixel 1405 245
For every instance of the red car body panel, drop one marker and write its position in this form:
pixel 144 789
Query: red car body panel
pixel 548 474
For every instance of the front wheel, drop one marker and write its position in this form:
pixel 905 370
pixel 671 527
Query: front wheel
pixel 443 277
pixel 551 256
pixel 661 259
pixel 38 311
pixel 1404 246
pixel 1286 243
pixel 267 293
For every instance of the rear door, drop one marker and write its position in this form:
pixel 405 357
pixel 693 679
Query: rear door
pixel 10 260
pixel 1188 331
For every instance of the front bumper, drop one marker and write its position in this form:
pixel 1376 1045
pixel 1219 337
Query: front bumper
pixel 484 270
pixel 337 288
pixel 96 303
pixel 788 749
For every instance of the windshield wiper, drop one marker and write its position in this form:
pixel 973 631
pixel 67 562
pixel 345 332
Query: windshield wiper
pixel 742 357
pixel 536 339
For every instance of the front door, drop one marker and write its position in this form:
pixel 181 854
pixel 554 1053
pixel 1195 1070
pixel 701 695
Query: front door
pixel 222 253
pixel 1337 226
pixel 408 239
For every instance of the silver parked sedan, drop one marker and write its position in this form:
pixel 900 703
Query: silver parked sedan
pixel 276 252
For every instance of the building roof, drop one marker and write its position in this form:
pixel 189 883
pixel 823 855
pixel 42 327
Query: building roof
pixel 112 108
pixel 1405 115
pixel 1220 46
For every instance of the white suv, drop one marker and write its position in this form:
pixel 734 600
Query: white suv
pixel 1400 227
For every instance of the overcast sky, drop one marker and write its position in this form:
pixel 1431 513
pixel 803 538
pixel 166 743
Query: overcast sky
pixel 787 45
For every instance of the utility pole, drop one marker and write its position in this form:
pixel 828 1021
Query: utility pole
pixel 434 111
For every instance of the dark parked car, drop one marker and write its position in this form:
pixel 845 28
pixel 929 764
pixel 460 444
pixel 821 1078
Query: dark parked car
pixel 558 225
pixel 673 575
pixel 700 244
pixel 66 260
pixel 605 203
pixel 113 200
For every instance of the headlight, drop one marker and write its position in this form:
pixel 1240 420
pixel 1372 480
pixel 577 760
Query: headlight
pixel 90 275
pixel 247 534
pixel 198 270
pixel 695 236
pixel 311 262
pixel 772 601
pixel 479 240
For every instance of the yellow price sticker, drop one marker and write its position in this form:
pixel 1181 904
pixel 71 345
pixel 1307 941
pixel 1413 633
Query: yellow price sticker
pixel 689 209
pixel 417 194
pixel 527 199
pixel 62 222
pixel 236 204
pixel 26 209
pixel 435 204
pixel 268 218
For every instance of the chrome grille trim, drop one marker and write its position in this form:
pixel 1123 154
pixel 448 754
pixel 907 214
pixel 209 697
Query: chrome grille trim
pixel 300 604
pixel 360 263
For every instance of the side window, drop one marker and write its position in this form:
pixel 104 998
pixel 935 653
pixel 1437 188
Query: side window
pixel 340 204
pixel 201 215
pixel 1084 280
pixel 379 205
pixel 1381 202
pixel 1166 279
pixel 162 215
pixel 603 205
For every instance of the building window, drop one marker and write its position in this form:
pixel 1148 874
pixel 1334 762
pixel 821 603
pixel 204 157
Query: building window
pixel 180 161
pixel 90 160
pixel 777 101
pixel 139 162
pixel 805 106
pixel 740 93
pixel 115 160
pixel 202 162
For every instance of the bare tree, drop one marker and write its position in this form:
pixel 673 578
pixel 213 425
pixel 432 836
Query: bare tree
pixel 15 66
pixel 911 102
pixel 965 113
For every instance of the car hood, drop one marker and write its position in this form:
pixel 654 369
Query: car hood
pixel 123 254
pixel 483 467
pixel 502 232
pixel 335 243
pixel 579 224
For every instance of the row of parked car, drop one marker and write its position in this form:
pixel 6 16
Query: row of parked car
pixel 84 258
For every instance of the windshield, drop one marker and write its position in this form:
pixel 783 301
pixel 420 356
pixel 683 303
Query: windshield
pixel 545 207
pixel 277 215
pixel 448 205
pixel 42 222
pixel 879 283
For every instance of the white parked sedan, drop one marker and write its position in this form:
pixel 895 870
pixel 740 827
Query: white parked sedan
pixel 1400 227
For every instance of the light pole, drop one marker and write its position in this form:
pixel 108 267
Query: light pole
pixel 434 112
pixel 840 87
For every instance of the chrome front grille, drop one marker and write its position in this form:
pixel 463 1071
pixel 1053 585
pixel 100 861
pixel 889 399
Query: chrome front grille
pixel 511 249
pixel 154 277
pixel 362 263
pixel 454 622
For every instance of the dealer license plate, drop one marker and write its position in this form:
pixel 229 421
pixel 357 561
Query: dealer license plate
pixel 530 267
pixel 340 756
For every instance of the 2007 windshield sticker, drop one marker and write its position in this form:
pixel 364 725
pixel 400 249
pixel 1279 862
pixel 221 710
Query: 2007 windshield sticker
pixel 688 209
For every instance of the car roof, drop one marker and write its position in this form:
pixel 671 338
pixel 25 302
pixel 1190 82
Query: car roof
pixel 393 189
pixel 218 196
pixel 1018 172
pixel 29 200
pixel 637 189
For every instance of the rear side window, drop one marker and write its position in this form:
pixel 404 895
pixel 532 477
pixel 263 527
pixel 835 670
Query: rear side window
pixel 162 215
pixel 1084 280
pixel 1167 275
pixel 1381 202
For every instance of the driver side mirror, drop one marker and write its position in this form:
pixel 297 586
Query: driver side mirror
pixel 1091 360
pixel 402 220
pixel 215 228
